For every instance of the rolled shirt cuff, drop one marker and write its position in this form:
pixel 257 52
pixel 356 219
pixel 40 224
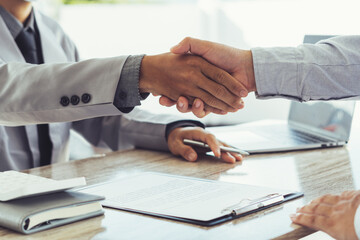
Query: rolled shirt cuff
pixel 276 73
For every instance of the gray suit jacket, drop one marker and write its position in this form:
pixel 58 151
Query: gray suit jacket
pixel 30 94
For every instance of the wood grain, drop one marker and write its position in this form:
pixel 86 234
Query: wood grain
pixel 314 172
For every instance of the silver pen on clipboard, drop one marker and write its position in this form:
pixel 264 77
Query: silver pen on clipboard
pixel 222 148
pixel 248 205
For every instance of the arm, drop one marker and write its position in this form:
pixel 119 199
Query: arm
pixel 136 129
pixel 144 130
pixel 324 71
pixel 32 94
pixel 36 98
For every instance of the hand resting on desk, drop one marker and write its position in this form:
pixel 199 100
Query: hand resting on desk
pixel 333 214
pixel 177 146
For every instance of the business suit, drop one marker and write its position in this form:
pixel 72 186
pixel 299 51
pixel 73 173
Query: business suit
pixel 33 94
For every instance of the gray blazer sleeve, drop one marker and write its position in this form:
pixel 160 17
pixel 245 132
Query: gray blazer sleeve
pixel 327 70
pixel 136 129
pixel 31 94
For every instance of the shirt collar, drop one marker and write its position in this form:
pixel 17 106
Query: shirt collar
pixel 14 25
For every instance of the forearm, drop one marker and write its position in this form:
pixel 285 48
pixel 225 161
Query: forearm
pixel 32 94
pixel 324 71
pixel 136 129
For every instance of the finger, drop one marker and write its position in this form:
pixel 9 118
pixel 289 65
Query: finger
pixel 317 209
pixel 220 92
pixel 201 135
pixel 185 151
pixel 213 143
pixel 317 222
pixel 355 200
pixel 242 104
pixel 348 194
pixel 213 101
pixel 188 153
pixel 328 199
pixel 183 105
pixel 164 101
pixel 227 157
pixel 238 157
pixel 224 79
pixel 192 45
pixel 198 109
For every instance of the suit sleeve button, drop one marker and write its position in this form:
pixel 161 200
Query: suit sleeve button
pixel 85 98
pixel 75 100
pixel 64 101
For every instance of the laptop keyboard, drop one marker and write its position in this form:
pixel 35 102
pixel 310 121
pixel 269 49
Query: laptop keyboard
pixel 306 137
pixel 297 137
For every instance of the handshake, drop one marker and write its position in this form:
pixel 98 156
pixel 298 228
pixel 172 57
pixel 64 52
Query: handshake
pixel 199 76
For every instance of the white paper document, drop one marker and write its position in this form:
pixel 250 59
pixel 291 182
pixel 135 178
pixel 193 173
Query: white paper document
pixel 318 236
pixel 181 197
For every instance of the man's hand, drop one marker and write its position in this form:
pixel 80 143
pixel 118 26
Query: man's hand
pixel 177 146
pixel 333 214
pixel 190 76
pixel 235 61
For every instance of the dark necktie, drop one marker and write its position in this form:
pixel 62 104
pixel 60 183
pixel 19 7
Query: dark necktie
pixel 31 50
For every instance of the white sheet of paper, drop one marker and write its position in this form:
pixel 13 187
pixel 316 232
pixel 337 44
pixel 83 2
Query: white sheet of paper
pixel 183 197
pixel 319 235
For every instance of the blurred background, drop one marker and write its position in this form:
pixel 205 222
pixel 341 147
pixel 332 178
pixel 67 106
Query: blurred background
pixel 103 28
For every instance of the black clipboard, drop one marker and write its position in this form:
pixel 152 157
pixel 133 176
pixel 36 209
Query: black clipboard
pixel 216 221
pixel 237 210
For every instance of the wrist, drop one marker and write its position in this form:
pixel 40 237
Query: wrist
pixel 145 73
pixel 249 66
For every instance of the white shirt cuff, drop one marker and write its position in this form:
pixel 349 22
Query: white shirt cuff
pixel 357 222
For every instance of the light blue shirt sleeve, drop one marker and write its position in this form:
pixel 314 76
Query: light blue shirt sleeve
pixel 327 70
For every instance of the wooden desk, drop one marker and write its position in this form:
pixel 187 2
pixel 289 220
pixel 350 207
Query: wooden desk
pixel 315 172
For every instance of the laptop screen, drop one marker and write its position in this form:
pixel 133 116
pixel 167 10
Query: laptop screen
pixel 332 118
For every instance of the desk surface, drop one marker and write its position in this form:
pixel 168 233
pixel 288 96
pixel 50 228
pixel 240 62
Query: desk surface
pixel 314 172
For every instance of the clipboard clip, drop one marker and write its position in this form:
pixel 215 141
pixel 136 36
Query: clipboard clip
pixel 247 205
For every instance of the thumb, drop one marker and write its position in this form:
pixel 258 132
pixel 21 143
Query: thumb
pixel 192 45
pixel 187 152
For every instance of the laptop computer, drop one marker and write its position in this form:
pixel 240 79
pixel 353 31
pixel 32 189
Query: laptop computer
pixel 316 124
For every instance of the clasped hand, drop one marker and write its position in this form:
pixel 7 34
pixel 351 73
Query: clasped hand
pixel 193 78
pixel 236 63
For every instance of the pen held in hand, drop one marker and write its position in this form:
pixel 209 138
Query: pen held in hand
pixel 222 148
